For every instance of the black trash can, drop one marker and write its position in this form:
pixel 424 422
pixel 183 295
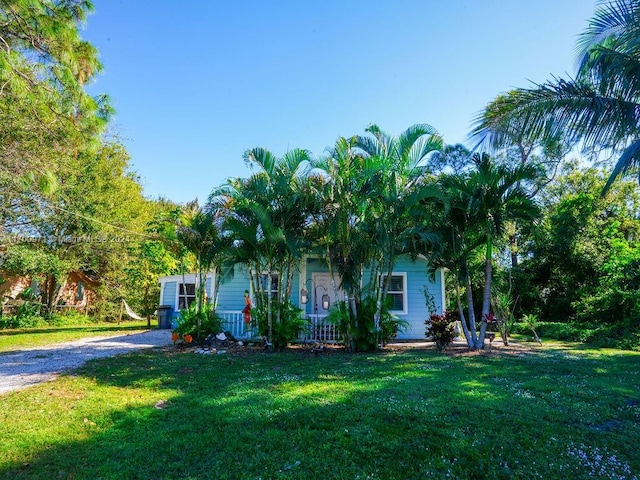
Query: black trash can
pixel 165 313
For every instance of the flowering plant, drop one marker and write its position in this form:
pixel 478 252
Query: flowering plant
pixel 441 329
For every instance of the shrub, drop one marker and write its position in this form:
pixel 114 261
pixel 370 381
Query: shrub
pixel 70 317
pixel 188 322
pixel 605 335
pixel 360 333
pixel 22 321
pixel 441 329
pixel 287 322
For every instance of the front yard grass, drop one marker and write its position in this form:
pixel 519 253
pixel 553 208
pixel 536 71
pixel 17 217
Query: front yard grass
pixel 20 338
pixel 560 412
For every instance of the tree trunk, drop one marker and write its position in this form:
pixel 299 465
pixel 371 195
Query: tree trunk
pixel 463 321
pixel 513 248
pixel 471 309
pixel 486 298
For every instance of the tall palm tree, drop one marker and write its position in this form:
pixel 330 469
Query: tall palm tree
pixel 265 216
pixel 600 107
pixel 482 202
pixel 339 216
pixel 200 233
pixel 399 191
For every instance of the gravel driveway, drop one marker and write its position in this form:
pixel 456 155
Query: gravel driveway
pixel 31 366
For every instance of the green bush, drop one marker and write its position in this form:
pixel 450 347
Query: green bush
pixel 360 333
pixel 22 321
pixel 69 318
pixel 287 322
pixel 622 335
pixel 210 323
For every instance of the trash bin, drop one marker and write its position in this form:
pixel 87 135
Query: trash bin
pixel 164 316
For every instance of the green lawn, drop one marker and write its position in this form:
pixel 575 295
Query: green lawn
pixel 20 338
pixel 560 412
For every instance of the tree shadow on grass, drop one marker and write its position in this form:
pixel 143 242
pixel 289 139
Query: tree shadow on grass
pixel 399 416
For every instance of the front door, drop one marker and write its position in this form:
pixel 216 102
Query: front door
pixel 322 286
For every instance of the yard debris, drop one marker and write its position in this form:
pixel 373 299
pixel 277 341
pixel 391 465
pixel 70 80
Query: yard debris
pixel 161 405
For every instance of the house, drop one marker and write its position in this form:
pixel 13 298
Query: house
pixel 314 294
pixel 77 292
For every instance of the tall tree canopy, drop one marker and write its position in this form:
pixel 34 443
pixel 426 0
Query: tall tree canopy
pixel 600 106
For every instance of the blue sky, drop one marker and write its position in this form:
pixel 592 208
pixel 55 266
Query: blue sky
pixel 197 83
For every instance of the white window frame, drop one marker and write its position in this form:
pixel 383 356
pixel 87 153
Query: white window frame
pixel 405 306
pixel 185 295
pixel 270 292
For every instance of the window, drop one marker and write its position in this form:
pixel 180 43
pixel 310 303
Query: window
pixel 270 289
pixel 186 295
pixel 397 293
pixel 80 291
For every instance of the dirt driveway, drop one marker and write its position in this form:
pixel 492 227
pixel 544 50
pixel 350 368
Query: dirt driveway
pixel 28 367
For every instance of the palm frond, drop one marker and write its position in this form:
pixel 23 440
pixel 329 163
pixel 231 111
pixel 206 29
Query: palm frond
pixel 629 159
pixel 410 136
pixel 611 19
pixel 261 157
pixel 575 110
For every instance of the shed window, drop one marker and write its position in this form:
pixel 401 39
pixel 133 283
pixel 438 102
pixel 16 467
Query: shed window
pixel 186 295
pixel 80 291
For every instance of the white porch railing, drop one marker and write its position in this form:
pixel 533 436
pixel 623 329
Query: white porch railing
pixel 318 329
pixel 233 321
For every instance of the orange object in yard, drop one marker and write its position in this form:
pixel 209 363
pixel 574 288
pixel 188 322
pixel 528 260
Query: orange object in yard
pixel 188 339
pixel 246 311
pixel 175 337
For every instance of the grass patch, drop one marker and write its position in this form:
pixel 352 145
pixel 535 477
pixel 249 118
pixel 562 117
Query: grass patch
pixel 559 412
pixel 20 338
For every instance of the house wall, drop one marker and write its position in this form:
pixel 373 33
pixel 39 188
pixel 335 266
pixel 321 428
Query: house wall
pixel 168 292
pixel 231 293
pixel 13 286
pixel 231 296
pixel 68 292
pixel 416 310
pixel 313 265
pixel 417 278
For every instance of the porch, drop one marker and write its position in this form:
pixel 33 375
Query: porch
pixel 318 330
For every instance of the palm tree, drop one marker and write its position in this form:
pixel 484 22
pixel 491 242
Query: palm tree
pixel 200 233
pixel 600 107
pixel 481 204
pixel 399 191
pixel 342 201
pixel 265 216
pixel 370 195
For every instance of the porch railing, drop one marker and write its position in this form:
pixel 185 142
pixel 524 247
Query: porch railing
pixel 318 329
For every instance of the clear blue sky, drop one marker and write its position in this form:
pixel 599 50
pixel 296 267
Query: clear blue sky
pixel 196 83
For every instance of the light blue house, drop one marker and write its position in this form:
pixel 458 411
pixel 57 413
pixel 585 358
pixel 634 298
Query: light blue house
pixel 314 294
